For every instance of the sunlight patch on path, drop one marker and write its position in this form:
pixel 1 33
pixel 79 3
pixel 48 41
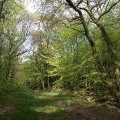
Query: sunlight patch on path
pixel 46 109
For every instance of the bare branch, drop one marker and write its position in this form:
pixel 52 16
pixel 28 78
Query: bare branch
pixel 79 3
pixel 105 12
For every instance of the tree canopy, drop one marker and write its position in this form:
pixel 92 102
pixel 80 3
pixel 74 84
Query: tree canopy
pixel 61 45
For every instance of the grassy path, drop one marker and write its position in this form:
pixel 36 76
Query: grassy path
pixel 26 105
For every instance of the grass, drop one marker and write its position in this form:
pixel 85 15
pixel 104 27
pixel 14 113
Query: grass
pixel 29 106
pixel 26 105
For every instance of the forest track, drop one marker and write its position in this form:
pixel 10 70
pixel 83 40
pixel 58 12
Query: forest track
pixel 26 105
pixel 83 111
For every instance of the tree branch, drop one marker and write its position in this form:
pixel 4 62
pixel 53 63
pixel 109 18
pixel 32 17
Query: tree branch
pixel 105 12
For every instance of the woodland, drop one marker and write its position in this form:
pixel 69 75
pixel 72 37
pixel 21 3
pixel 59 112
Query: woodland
pixel 59 59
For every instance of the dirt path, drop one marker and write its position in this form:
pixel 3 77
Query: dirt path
pixel 26 105
pixel 91 113
pixel 88 112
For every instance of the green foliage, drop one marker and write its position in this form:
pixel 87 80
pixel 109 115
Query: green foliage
pixel 101 90
pixel 4 88
pixel 11 42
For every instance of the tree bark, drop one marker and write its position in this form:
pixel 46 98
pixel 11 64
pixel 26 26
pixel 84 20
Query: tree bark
pixel 107 41
pixel 43 84
pixel 48 82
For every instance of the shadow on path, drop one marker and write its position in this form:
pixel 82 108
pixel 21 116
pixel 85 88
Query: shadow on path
pixel 51 106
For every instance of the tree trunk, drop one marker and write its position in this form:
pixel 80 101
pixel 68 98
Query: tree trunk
pixel 48 82
pixel 107 41
pixel 43 84
pixel 87 34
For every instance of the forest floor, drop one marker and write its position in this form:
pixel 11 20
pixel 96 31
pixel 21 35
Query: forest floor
pixel 27 105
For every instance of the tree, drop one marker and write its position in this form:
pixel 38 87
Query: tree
pixel 12 40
